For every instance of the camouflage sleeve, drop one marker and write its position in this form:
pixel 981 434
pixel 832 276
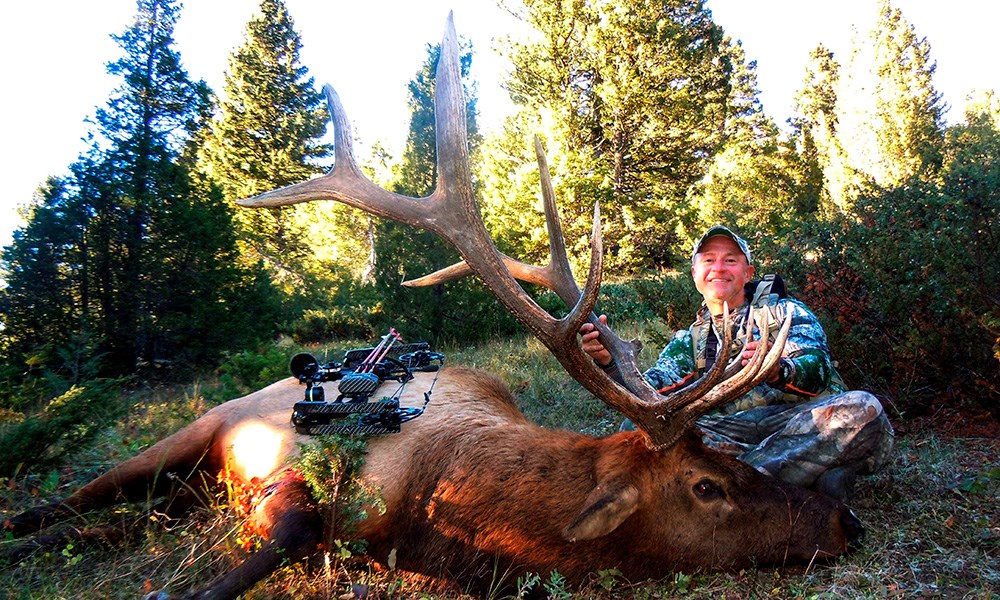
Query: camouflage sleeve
pixel 675 364
pixel 806 350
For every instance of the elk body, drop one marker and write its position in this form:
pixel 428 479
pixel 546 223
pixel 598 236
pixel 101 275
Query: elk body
pixel 472 489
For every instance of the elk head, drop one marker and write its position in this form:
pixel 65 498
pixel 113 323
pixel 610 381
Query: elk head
pixel 451 212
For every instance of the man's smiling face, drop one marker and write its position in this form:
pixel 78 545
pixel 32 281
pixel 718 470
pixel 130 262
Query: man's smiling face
pixel 720 271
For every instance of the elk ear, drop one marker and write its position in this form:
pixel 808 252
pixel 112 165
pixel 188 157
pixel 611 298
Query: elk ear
pixel 605 510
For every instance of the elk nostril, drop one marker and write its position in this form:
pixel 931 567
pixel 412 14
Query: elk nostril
pixel 853 529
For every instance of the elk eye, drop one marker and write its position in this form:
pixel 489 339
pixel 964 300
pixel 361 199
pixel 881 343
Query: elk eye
pixel 707 490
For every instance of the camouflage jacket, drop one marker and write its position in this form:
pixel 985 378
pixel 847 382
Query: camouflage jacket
pixel 812 371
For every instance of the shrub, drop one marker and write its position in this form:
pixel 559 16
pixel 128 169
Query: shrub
pixel 624 300
pixel 671 296
pixel 339 322
pixel 66 423
pixel 331 467
pixel 907 295
pixel 248 371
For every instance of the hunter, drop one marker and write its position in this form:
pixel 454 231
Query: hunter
pixel 802 425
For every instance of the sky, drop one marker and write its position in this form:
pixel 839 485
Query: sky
pixel 54 54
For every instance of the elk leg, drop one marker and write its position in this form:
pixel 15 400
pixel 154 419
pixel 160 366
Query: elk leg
pixel 110 535
pixel 294 529
pixel 178 502
pixel 139 478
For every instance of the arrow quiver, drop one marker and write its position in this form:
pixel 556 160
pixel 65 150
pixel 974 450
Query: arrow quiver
pixel 360 376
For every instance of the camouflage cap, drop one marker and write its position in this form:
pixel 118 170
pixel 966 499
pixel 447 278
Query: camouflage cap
pixel 722 230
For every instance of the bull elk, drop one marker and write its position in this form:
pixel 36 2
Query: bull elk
pixel 472 488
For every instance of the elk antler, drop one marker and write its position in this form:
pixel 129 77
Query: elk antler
pixel 451 212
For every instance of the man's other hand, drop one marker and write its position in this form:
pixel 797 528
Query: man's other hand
pixel 748 353
pixel 593 346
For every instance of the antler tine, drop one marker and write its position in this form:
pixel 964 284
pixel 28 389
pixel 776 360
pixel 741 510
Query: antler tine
pixel 556 275
pixel 741 387
pixel 446 211
pixel 755 372
pixel 345 182
pixel 558 268
pixel 735 364
pixel 688 394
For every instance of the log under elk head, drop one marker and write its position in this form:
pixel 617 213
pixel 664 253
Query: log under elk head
pixel 473 490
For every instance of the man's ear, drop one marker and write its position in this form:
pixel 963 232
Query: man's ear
pixel 605 509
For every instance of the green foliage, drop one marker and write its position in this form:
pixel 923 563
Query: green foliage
pixel 525 584
pixel 750 184
pixel 267 136
pixel 556 587
pixel 625 301
pixel 982 483
pixel 890 118
pixel 331 467
pixel 132 252
pixel 249 370
pixel 671 296
pixel 682 583
pixel 345 308
pixel 137 182
pixel 47 432
pixel 823 173
pixel 904 291
pixel 38 306
pixel 350 322
pixel 607 579
pixel 633 97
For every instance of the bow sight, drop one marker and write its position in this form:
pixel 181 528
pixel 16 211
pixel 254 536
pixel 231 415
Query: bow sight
pixel 362 372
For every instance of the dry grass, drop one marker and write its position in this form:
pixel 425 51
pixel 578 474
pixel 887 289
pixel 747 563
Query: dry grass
pixel 932 519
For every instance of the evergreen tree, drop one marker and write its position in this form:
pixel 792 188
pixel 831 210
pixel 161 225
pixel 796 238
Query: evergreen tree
pixel 142 256
pixel 824 177
pixel 893 127
pixel 42 302
pixel 635 95
pixel 751 183
pixel 268 136
pixel 131 178
pixel 460 309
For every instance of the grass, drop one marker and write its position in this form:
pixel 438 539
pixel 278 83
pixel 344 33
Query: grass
pixel 932 518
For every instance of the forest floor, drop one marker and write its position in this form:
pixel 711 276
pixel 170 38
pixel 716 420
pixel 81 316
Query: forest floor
pixel 932 519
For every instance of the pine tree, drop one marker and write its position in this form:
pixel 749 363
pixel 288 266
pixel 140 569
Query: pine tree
pixel 130 177
pixel 140 256
pixel 268 136
pixel 635 95
pixel 891 117
pixel 405 253
pixel 751 182
pixel 41 304
pixel 825 177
